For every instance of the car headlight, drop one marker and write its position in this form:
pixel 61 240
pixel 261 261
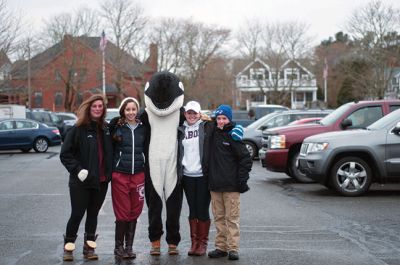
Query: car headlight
pixel 313 147
pixel 277 142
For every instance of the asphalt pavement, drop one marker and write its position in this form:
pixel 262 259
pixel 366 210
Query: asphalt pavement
pixel 282 222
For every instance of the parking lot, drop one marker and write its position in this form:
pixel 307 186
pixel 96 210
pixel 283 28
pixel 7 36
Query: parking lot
pixel 282 222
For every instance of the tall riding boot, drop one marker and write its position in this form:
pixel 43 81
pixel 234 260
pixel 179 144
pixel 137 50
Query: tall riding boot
pixel 89 247
pixel 203 227
pixel 69 247
pixel 120 229
pixel 193 236
pixel 129 236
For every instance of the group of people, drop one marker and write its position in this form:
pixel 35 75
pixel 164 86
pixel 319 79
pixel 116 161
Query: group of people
pixel 213 165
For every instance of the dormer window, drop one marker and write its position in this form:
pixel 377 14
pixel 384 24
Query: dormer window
pixel 291 74
pixel 257 73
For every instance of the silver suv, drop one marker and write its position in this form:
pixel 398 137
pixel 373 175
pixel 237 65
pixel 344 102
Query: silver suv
pixel 253 133
pixel 349 161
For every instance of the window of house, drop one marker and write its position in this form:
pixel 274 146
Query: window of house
pixel 291 74
pixel 58 75
pixel 305 77
pixel 38 99
pixel 299 96
pixel 309 96
pixel 58 99
pixel 243 78
pixel 395 81
pixel 257 73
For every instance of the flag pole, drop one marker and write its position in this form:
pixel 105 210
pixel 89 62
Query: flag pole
pixel 325 73
pixel 104 75
pixel 325 90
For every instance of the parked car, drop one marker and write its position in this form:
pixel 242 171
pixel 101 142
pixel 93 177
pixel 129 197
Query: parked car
pixel 253 133
pixel 25 134
pixel 69 119
pixel 241 117
pixel 281 146
pixel 111 113
pixel 262 110
pixel 46 117
pixel 306 121
pixel 349 161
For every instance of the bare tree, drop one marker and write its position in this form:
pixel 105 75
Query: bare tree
pixel 276 43
pixel 200 43
pixel 67 29
pixel 10 26
pixel 168 33
pixel 82 22
pixel 249 38
pixel 374 30
pixel 125 24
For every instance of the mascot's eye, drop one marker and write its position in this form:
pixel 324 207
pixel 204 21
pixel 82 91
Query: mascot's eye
pixel 181 86
pixel 146 86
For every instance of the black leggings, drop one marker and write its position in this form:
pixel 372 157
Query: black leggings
pixel 197 196
pixel 85 200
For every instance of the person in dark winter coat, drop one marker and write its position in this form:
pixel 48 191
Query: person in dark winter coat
pixel 87 155
pixel 128 175
pixel 228 172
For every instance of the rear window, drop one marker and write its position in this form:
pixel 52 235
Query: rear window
pixel 393 107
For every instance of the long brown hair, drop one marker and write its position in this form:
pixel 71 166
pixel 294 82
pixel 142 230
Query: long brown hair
pixel 84 111
pixel 122 119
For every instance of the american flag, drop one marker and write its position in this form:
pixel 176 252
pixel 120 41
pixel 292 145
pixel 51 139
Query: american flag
pixel 325 69
pixel 103 42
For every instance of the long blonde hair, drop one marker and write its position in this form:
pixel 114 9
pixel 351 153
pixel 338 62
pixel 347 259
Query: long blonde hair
pixel 84 111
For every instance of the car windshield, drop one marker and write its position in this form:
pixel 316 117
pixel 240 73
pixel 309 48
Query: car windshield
pixel 260 121
pixel 335 115
pixel 385 120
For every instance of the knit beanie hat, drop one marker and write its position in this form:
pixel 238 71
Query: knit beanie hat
pixel 224 110
pixel 121 111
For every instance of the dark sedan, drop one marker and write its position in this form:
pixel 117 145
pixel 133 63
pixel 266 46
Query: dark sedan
pixel 25 134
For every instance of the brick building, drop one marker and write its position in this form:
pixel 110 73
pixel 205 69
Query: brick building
pixel 64 75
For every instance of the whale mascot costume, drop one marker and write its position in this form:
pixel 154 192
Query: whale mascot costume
pixel 163 97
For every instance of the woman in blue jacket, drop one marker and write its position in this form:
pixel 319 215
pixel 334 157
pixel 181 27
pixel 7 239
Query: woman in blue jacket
pixel 128 175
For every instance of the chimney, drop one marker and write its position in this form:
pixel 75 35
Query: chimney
pixel 153 58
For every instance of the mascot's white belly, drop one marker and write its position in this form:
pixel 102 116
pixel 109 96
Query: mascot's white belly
pixel 163 150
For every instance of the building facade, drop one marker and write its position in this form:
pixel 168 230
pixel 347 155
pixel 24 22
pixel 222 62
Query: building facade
pixel 257 80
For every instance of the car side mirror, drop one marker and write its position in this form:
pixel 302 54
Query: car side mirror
pixel 346 123
pixel 396 129
pixel 262 128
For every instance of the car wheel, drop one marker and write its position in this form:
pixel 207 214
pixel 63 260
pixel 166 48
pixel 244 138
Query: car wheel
pixel 26 150
pixel 295 171
pixel 252 149
pixel 41 145
pixel 351 176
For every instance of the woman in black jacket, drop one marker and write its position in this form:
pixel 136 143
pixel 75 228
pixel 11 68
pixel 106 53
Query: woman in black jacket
pixel 128 175
pixel 87 155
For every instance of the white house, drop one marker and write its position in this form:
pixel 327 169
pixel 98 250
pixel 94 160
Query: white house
pixel 258 76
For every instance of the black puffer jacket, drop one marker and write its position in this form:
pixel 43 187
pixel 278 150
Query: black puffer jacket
pixel 229 161
pixel 129 152
pixel 80 151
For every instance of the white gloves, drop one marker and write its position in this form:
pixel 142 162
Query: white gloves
pixel 82 175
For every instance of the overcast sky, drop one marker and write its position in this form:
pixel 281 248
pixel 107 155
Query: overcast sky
pixel 325 17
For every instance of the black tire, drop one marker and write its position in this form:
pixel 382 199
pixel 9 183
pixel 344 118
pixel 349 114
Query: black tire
pixel 295 171
pixel 351 176
pixel 25 150
pixel 252 149
pixel 41 145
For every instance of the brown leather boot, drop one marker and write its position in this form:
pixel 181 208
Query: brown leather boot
pixel 193 236
pixel 129 236
pixel 69 247
pixel 203 227
pixel 120 230
pixel 89 247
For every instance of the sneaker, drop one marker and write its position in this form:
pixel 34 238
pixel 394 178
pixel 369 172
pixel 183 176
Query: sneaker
pixel 233 255
pixel 173 249
pixel 216 253
pixel 155 248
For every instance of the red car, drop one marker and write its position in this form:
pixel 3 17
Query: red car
pixel 306 121
pixel 281 146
